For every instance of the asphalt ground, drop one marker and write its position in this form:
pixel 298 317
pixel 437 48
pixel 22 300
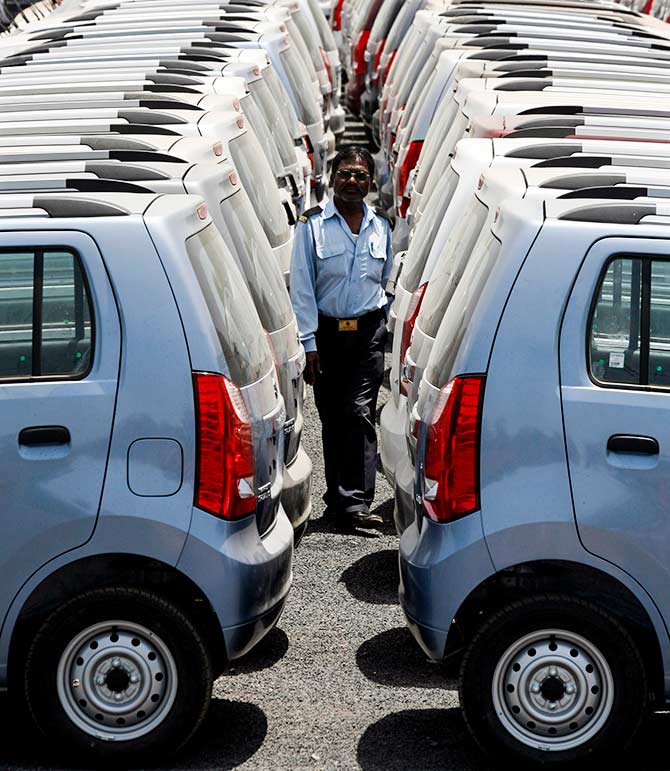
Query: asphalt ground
pixel 339 683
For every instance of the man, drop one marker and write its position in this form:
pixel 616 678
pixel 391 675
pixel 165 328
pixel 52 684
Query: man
pixel 341 261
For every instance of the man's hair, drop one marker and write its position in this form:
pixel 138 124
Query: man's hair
pixel 354 153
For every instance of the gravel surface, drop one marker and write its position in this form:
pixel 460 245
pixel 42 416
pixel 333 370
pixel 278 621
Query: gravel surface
pixel 340 683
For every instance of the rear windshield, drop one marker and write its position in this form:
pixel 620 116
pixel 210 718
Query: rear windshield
pixel 256 176
pixel 459 311
pixel 419 58
pixel 458 249
pixel 400 26
pixel 262 131
pixel 435 136
pixel 301 86
pixel 278 91
pixel 272 114
pixel 384 19
pixel 261 268
pixel 310 42
pixel 227 298
pixel 325 33
pixel 426 230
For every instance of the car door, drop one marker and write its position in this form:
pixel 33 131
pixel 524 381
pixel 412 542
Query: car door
pixel 615 389
pixel 59 362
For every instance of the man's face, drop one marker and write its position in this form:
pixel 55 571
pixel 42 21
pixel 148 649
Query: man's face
pixel 351 181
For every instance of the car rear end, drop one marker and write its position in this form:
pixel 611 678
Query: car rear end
pixel 240 543
pixel 268 291
pixel 443 553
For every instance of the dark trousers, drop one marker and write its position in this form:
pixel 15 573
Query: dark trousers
pixel 352 370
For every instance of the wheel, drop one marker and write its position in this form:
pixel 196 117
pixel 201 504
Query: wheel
pixel 552 679
pixel 118 673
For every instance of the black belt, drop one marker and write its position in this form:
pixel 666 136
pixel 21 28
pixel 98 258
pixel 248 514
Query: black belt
pixel 352 324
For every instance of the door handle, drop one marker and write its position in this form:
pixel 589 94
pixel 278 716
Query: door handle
pixel 44 435
pixel 642 445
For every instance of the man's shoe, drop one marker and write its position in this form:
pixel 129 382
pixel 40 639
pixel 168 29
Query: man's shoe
pixel 331 513
pixel 366 519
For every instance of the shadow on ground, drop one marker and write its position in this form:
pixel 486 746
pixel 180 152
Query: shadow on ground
pixel 374 578
pixel 327 524
pixel 231 734
pixel 271 649
pixel 420 739
pixel 393 658
pixel 432 739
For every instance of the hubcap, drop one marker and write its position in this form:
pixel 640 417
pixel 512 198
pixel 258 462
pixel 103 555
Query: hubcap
pixel 117 680
pixel 553 689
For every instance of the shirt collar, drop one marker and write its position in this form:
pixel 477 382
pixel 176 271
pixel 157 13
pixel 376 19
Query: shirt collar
pixel 330 210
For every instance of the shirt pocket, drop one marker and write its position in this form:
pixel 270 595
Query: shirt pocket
pixel 376 257
pixel 331 259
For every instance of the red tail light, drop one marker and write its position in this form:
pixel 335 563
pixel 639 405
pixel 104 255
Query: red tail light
pixel 310 149
pixel 452 450
pixel 225 464
pixel 358 52
pixel 377 59
pixel 336 23
pixel 408 327
pixel 408 163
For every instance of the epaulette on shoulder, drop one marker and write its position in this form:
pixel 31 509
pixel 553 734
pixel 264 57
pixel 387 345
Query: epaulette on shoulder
pixel 382 213
pixel 310 213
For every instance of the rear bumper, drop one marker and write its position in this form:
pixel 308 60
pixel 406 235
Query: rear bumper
pixel 403 509
pixel 245 578
pixel 392 429
pixel 440 565
pixel 386 197
pixel 283 256
pixel 369 100
pixel 330 136
pixel 296 494
pixel 241 639
pixel 337 121
pixel 400 236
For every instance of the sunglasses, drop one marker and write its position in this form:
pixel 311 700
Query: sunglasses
pixel 359 176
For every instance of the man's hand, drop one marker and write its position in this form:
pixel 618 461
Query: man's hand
pixel 312 367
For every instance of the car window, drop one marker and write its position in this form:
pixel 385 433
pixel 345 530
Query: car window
pixel 461 246
pixel 629 336
pixel 272 114
pixel 256 177
pixel 614 348
pixel 45 315
pixel 260 266
pixel 301 87
pixel 226 296
pixel 460 310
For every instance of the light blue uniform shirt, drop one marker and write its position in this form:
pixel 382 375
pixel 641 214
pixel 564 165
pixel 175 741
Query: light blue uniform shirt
pixel 336 274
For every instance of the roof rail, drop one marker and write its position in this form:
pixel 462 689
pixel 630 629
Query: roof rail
pixel 545 151
pixel 74 185
pixel 579 181
pixel 619 214
pixel 622 192
pixel 59 207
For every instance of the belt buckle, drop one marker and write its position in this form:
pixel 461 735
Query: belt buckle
pixel 347 325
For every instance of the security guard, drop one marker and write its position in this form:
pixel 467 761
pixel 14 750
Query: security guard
pixel 341 261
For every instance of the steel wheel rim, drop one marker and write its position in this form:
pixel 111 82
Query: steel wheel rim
pixel 553 690
pixel 116 680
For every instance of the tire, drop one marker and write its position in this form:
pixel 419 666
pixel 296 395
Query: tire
pixel 552 679
pixel 118 673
